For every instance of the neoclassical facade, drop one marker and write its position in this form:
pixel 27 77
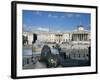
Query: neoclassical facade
pixel 80 35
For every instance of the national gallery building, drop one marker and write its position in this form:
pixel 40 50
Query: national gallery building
pixel 80 35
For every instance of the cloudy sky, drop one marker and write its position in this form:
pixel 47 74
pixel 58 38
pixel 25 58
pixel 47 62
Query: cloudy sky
pixel 54 21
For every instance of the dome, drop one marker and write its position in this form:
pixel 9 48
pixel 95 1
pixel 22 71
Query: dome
pixel 80 28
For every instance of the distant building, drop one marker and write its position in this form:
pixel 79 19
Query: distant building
pixel 80 35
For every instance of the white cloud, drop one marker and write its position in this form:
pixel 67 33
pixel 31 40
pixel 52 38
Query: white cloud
pixel 63 16
pixel 25 27
pixel 69 15
pixel 31 28
pixel 78 15
pixel 43 29
pixel 58 31
pixel 49 15
pixel 52 16
pixel 39 13
pixel 55 16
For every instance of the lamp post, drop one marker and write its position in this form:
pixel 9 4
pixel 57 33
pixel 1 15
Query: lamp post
pixel 33 42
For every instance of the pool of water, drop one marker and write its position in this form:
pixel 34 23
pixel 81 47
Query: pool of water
pixel 28 52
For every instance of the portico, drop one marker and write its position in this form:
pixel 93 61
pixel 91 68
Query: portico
pixel 80 37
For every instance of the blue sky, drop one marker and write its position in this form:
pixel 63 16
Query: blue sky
pixel 54 21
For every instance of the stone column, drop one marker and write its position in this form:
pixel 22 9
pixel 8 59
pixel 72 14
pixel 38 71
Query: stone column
pixel 74 37
pixel 81 37
pixel 84 37
pixel 77 37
